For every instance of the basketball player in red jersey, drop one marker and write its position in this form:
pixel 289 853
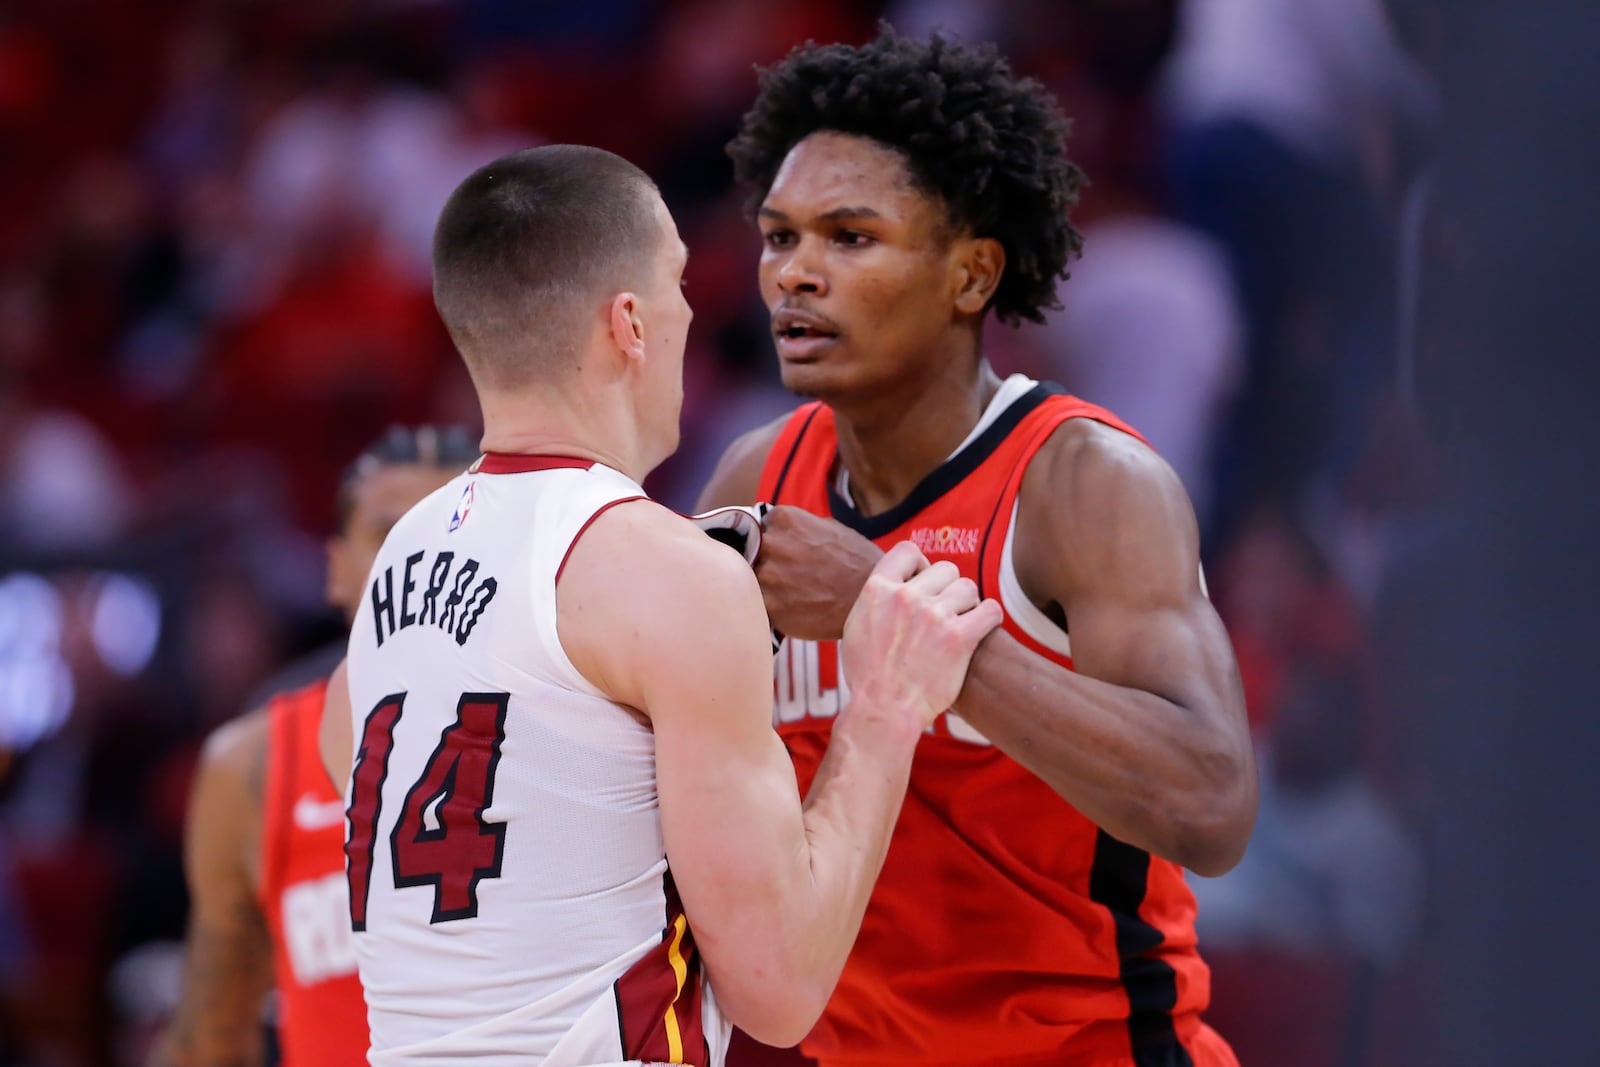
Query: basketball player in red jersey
pixel 1033 907
pixel 265 846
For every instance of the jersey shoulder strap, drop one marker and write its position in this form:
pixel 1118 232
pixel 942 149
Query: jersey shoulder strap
pixel 1057 409
pixel 807 435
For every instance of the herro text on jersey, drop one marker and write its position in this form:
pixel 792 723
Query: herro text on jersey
pixel 455 613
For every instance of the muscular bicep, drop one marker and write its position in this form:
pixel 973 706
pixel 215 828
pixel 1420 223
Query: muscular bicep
pixel 1179 651
pixel 737 476
pixel 1148 738
pixel 227 967
pixel 1109 535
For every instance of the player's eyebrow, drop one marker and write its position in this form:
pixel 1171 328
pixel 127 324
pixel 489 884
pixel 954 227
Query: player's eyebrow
pixel 835 215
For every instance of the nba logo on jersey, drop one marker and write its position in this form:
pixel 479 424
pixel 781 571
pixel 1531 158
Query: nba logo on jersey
pixel 463 506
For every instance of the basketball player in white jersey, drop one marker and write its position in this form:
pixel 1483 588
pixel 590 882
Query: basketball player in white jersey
pixel 573 836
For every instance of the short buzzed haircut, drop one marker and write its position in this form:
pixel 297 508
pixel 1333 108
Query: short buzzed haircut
pixel 527 250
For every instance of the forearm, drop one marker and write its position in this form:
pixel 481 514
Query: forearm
pixel 777 926
pixel 226 975
pixel 849 818
pixel 1150 771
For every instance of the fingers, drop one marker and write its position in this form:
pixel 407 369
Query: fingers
pixel 976 624
pixel 912 632
pixel 901 563
pixel 958 596
pixel 905 565
pixel 935 579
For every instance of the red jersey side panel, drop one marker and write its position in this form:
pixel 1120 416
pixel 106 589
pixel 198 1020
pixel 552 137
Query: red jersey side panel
pixel 322 1018
pixel 1006 928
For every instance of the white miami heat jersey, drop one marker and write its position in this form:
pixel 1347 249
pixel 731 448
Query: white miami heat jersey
pixel 509 890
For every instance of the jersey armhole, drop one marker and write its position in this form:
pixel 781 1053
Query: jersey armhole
pixel 997 576
pixel 997 532
pixel 550 626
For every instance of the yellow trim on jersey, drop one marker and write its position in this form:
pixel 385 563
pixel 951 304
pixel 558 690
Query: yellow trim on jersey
pixel 681 969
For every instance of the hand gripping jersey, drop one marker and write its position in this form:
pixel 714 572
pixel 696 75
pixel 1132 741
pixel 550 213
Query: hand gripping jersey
pixel 509 888
pixel 1005 928
pixel 322 1020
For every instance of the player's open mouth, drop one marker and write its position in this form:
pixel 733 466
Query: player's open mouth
pixel 801 346
pixel 802 335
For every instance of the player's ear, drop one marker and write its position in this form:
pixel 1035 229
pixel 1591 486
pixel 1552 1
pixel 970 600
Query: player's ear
pixel 627 325
pixel 982 262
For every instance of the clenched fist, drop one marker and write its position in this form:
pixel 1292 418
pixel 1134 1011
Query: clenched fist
pixel 911 634
pixel 811 570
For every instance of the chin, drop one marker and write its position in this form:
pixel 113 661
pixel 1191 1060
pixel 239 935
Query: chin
pixel 812 381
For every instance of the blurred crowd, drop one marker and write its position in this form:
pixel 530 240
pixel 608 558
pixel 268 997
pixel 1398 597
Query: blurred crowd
pixel 214 292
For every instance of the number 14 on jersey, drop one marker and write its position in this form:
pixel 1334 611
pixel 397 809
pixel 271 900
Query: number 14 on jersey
pixel 440 837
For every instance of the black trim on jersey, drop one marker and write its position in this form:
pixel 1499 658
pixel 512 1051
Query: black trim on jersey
pixel 666 921
pixel 622 1027
pixel 983 545
pixel 947 475
pixel 794 450
pixel 1119 879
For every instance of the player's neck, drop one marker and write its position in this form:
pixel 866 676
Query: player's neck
pixel 889 447
pixel 560 426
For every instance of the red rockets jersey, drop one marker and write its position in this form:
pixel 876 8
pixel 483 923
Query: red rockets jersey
pixel 322 1018
pixel 1006 928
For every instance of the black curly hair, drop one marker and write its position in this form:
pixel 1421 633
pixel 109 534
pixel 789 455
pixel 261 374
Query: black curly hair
pixel 990 144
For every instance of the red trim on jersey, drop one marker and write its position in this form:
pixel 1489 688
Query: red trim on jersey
pixel 659 998
pixel 524 463
pixel 588 523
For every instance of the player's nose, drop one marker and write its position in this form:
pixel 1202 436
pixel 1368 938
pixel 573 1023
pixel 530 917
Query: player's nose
pixel 799 272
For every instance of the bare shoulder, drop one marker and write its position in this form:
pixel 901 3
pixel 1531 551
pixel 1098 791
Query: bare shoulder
pixel 645 593
pixel 236 753
pixel 1086 462
pixel 1100 505
pixel 643 547
pixel 738 472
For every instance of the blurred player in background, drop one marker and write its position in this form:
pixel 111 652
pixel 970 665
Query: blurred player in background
pixel 1033 908
pixel 265 841
pixel 574 836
